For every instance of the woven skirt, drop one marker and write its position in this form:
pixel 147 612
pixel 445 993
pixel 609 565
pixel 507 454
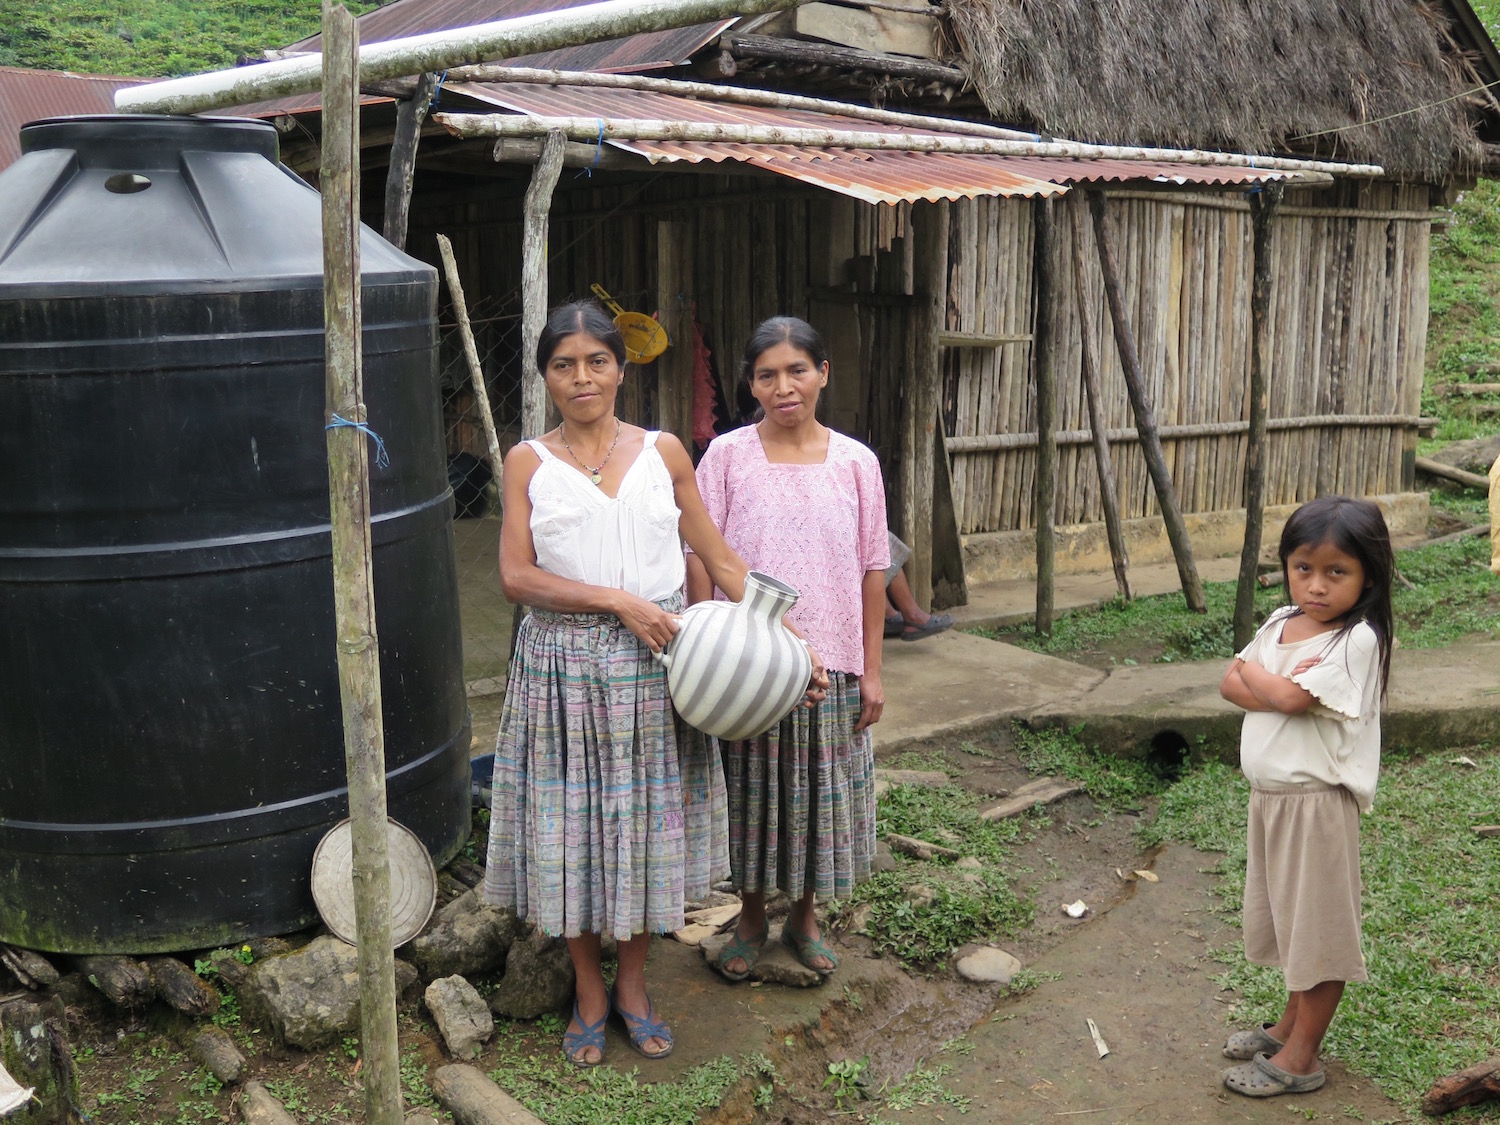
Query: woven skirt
pixel 802 800
pixel 607 811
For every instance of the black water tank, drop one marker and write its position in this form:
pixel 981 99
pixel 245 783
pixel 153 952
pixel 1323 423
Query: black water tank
pixel 171 745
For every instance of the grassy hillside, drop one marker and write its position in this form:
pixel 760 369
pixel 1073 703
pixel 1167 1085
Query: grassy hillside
pixel 150 38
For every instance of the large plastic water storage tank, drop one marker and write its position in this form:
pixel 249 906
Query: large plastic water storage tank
pixel 171 746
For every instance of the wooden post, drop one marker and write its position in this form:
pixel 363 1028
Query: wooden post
pixel 1145 414
pixel 471 354
pixel 1263 204
pixel 1109 493
pixel 35 1054
pixel 674 370
pixel 534 281
pixel 353 590
pixel 1042 365
pixel 930 282
pixel 410 113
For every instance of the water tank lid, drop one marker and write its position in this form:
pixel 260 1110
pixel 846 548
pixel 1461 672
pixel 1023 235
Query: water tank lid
pixel 145 140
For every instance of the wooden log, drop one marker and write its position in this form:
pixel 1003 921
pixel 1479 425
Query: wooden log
pixel 841 58
pixel 353 573
pixel 1263 206
pixel 1040 791
pixel 474 1099
pixel 981 339
pixel 537 207
pixel 125 982
pixel 1145 418
pixel 437 51
pixel 1448 472
pixel 919 849
pixel 1476 1084
pixel 216 1052
pixel 471 356
pixel 181 988
pixel 674 370
pixel 32 969
pixel 34 1051
pixel 950 583
pixel 1109 494
pixel 410 113
pixel 1451 537
pixel 1044 355
pixel 1487 830
pixel 1021 440
pixel 259 1106
pixel 930 282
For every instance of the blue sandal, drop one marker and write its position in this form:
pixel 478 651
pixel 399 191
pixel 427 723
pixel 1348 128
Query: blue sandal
pixel 642 1028
pixel 808 949
pixel 746 951
pixel 588 1035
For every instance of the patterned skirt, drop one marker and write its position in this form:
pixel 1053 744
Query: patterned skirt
pixel 802 800
pixel 608 810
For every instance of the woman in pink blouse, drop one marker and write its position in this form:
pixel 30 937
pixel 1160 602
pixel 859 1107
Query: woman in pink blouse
pixel 807 505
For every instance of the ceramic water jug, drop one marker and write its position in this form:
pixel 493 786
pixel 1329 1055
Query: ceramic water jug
pixel 734 669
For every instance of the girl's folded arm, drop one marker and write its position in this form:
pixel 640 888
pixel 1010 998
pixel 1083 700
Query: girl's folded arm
pixel 1276 693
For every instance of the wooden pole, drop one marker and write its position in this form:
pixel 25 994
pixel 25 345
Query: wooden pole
pixel 353 588
pixel 1109 493
pixel 930 253
pixel 1263 204
pixel 410 113
pixel 1042 364
pixel 534 281
pixel 1145 414
pixel 674 370
pixel 437 51
pixel 471 354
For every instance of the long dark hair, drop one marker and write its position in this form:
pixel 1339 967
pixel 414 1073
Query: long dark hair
pixel 585 317
pixel 1356 528
pixel 780 330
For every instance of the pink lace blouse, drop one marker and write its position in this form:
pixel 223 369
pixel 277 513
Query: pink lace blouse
pixel 818 528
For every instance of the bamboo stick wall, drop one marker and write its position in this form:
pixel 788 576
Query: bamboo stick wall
pixel 1349 319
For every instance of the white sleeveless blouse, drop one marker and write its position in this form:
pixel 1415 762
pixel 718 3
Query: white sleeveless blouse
pixel 627 542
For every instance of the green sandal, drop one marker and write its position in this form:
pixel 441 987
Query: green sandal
pixel 808 949
pixel 747 952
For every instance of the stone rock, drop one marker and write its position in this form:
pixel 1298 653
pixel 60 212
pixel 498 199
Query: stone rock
pixel 777 964
pixel 216 1051
pixel 859 918
pixel 973 878
pixel 1475 455
pixel 461 1015
pixel 466 936
pixel 919 894
pixel 420 1118
pixel 970 863
pixel 310 997
pixel 259 1107
pixel 984 964
pixel 882 860
pixel 538 978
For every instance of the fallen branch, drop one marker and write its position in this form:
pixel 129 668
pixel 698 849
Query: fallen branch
pixel 1448 472
pixel 1467 1087
pixel 919 849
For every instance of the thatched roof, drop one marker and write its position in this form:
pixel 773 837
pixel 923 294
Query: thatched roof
pixel 1252 75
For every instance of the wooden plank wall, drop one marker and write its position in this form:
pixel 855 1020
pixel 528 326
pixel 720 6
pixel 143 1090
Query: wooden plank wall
pixel 1349 320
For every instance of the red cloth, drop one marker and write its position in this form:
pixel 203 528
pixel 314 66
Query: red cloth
pixel 703 387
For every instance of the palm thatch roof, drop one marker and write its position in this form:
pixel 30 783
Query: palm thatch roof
pixel 1254 75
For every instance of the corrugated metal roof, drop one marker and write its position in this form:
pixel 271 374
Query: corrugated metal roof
pixel 29 95
pixel 648 51
pixel 875 176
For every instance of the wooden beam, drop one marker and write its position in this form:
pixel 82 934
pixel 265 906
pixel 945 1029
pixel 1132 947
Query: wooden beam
pixel 1109 491
pixel 674 370
pixel 471 356
pixel 951 339
pixel 1043 360
pixel 1145 412
pixel 843 58
pixel 1448 472
pixel 983 443
pixel 1263 204
pixel 930 223
pixel 410 114
pixel 537 207
pixel 353 569
pixel 882 31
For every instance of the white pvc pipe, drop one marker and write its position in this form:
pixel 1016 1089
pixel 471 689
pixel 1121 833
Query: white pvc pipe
pixel 437 51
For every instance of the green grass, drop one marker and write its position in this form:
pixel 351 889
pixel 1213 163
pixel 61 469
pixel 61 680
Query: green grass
pixel 1453 595
pixel 1431 912
pixel 1464 303
pixel 1112 781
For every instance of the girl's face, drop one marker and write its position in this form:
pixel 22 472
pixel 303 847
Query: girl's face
pixel 786 384
pixel 583 377
pixel 1324 581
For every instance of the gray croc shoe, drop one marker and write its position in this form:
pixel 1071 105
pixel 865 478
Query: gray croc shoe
pixel 1248 1044
pixel 1261 1078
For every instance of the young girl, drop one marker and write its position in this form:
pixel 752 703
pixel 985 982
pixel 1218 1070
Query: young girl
pixel 607 810
pixel 1311 683
pixel 806 504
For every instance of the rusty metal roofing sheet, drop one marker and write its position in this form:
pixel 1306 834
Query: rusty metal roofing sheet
pixel 28 95
pixel 876 176
pixel 647 51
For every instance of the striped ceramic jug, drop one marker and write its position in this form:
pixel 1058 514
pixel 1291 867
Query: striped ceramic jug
pixel 734 669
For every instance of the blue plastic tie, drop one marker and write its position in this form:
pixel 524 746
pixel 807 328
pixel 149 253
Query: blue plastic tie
pixel 382 458
pixel 598 149
pixel 438 89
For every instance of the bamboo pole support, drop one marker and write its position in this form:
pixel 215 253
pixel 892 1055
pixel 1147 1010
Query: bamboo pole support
pixel 674 369
pixel 930 223
pixel 353 571
pixel 437 51
pixel 471 354
pixel 534 281
pixel 1044 366
pixel 1109 493
pixel 1263 204
pixel 1145 414
pixel 410 113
